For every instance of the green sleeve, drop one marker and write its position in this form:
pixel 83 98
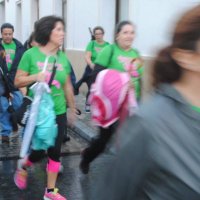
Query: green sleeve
pixel 103 57
pixel 25 62
pixel 89 46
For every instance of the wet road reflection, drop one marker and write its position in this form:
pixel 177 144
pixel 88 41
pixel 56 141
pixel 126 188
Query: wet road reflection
pixel 71 182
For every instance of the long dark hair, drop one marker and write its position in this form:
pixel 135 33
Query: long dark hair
pixel 185 36
pixel 44 27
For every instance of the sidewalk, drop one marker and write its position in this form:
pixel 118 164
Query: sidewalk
pixel 84 126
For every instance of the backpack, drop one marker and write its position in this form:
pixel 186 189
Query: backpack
pixel 110 92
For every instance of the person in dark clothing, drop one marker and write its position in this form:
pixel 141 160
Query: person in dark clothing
pixel 30 42
pixel 92 50
pixel 159 156
pixel 11 52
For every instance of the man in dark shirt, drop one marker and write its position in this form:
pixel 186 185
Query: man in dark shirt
pixel 11 52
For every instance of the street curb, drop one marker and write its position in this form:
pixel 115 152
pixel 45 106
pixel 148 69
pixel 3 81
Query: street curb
pixel 84 131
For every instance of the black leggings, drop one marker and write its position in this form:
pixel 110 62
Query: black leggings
pixel 85 78
pixel 98 145
pixel 53 152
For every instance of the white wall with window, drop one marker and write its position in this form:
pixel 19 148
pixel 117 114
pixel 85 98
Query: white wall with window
pixel 154 19
pixel 83 14
pixel 18 21
pixel 2 10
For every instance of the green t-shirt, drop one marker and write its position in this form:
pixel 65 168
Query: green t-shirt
pixel 33 61
pixel 197 109
pixel 113 57
pixel 95 48
pixel 10 53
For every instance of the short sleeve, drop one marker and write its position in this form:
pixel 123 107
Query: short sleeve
pixel 25 61
pixel 89 46
pixel 104 56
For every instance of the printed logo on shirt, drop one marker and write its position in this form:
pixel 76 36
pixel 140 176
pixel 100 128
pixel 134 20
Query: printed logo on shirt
pixel 49 72
pixel 129 65
pixel 9 53
pixel 49 66
pixel 98 49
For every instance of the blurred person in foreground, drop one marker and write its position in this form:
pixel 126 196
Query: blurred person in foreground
pixel 120 57
pixel 11 51
pixel 49 34
pixel 160 155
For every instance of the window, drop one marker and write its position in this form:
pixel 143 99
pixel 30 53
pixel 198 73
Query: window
pixel 35 12
pixel 18 23
pixel 2 11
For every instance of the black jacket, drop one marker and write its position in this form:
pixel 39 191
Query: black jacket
pixel 10 75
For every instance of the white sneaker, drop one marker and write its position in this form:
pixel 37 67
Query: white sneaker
pixel 87 108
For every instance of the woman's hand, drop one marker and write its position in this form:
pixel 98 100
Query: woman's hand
pixel 70 101
pixel 71 116
pixel 40 77
pixel 92 66
pixel 138 62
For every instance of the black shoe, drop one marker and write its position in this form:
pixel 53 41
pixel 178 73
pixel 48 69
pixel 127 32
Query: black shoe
pixel 76 91
pixel 78 112
pixel 66 138
pixel 84 167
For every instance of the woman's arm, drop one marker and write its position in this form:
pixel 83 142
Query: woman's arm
pixel 23 79
pixel 69 95
pixel 88 56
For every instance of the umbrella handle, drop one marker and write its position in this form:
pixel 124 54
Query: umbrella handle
pixel 45 64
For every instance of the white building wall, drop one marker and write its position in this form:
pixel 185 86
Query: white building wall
pixel 10 11
pixel 155 20
pixel 26 27
pixel 2 11
pixel 82 14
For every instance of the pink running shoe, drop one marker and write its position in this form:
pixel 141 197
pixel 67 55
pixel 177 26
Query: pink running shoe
pixel 20 178
pixel 53 195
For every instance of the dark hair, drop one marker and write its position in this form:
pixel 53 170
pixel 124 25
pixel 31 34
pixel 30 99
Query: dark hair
pixel 185 36
pixel 27 44
pixel 7 25
pixel 98 28
pixel 120 25
pixel 44 27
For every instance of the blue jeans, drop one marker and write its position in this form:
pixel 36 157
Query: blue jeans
pixel 6 127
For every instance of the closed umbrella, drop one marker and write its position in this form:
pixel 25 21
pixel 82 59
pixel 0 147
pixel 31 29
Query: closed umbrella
pixel 39 89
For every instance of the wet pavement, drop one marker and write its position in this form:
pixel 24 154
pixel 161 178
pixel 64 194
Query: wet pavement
pixel 71 183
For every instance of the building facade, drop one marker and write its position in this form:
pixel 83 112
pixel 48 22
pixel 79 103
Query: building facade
pixel 154 20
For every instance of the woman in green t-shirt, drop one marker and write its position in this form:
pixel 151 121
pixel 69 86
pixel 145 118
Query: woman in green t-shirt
pixel 92 50
pixel 49 34
pixel 122 57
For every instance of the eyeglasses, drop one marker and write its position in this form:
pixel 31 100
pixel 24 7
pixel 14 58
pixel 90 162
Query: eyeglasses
pixel 98 34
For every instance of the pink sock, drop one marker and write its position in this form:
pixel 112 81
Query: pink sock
pixel 53 166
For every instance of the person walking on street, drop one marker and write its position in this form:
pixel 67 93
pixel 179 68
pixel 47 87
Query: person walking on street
pixel 49 34
pixel 92 50
pixel 11 51
pixel 121 57
pixel 160 154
